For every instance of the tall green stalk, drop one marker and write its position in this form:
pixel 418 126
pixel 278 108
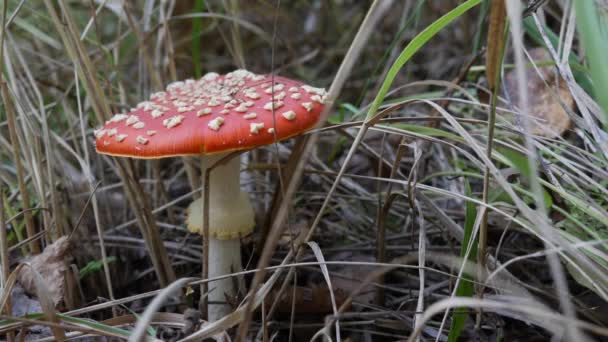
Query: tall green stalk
pixel 197 29
pixel 592 25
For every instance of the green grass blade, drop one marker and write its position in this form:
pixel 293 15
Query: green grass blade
pixel 581 74
pixel 465 287
pixel 592 25
pixel 197 30
pixel 418 42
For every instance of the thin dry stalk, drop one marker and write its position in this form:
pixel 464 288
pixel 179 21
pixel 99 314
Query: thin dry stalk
pixel 557 271
pixel 34 245
pixel 156 82
pixel 4 273
pixel 47 305
pixel 93 198
pixel 381 227
pixel 144 320
pixel 78 54
pixel 374 14
pixel 238 52
pixel 147 223
pixel 496 42
pixel 191 172
pixel 137 199
pixel 3 240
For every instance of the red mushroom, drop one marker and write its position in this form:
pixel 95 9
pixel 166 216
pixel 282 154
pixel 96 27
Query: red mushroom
pixel 211 117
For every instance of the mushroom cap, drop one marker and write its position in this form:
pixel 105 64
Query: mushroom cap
pixel 217 113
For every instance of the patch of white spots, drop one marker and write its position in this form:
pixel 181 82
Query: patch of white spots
pixel 250 116
pixel 139 125
pixel 131 120
pixel 204 111
pixel 275 105
pixel 146 105
pixel 121 137
pixel 157 113
pixel 118 117
pixel 241 108
pixel 106 143
pixel 252 95
pixel 199 102
pixel 141 140
pixel 180 103
pixel 294 89
pixel 254 128
pixel 213 102
pixel 276 87
pixel 289 115
pixel 317 98
pixel 216 123
pixel 248 103
pixel 280 95
pixel 224 111
pixel 308 106
pixel 173 121
pixel 99 133
pixel 271 130
pixel 210 76
pixel 151 132
pixel 185 109
pixel 313 90
pixel 158 95
pixel 112 132
pixel 175 85
pixel 240 74
pixel 295 96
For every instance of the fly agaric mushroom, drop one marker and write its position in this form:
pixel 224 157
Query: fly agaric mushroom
pixel 212 117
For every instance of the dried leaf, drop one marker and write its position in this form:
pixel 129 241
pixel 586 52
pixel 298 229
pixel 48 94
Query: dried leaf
pixel 51 265
pixel 550 119
pixel 315 299
pixel 349 278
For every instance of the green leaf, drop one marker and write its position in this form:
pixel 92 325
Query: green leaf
pixel 516 159
pixel 580 73
pixel 94 267
pixel 592 26
pixel 418 42
pixel 197 29
pixel 465 287
pixel 426 131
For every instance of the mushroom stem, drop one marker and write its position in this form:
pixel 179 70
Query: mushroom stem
pixel 230 217
pixel 224 258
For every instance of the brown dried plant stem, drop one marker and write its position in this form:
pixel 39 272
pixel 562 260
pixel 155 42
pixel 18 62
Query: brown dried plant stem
pixel 494 54
pixel 66 27
pixel 155 77
pixel 189 162
pixel 145 219
pixel 383 214
pixel 34 245
pixel 375 12
pixel 4 255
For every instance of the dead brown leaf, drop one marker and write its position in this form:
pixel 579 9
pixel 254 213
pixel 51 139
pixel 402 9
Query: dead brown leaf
pixel 51 265
pixel 313 299
pixel 550 118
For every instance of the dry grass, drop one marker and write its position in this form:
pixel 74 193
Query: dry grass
pixel 384 205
